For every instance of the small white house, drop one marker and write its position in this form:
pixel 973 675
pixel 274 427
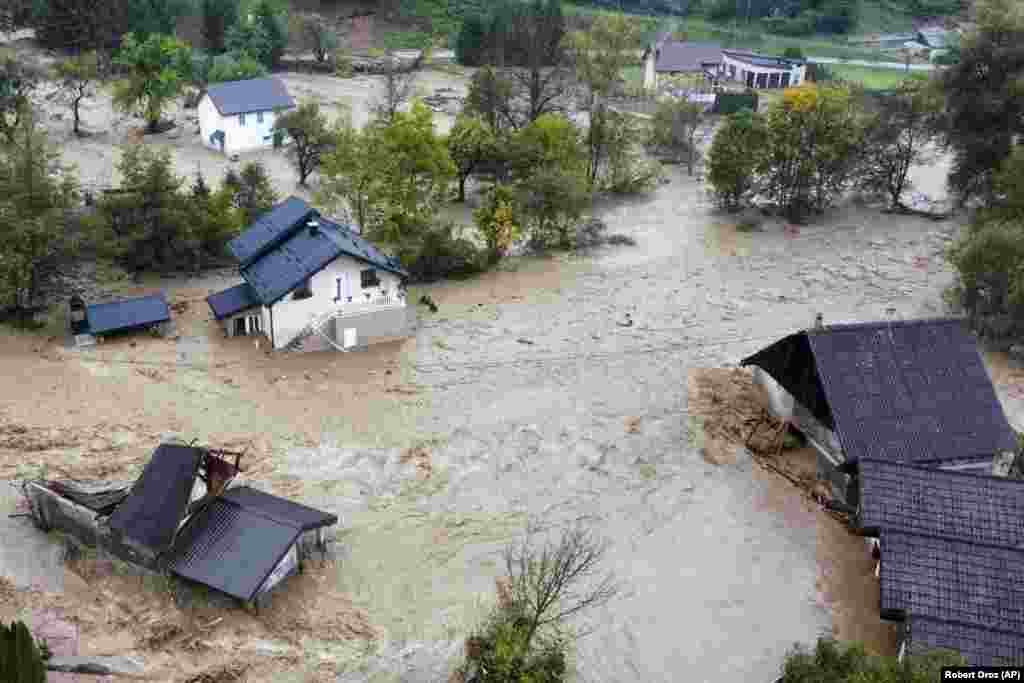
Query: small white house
pixel 762 71
pixel 302 273
pixel 238 116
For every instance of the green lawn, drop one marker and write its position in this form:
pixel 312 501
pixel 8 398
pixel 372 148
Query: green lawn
pixel 872 79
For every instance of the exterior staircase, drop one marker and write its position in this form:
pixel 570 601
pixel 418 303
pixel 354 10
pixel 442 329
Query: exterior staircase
pixel 315 335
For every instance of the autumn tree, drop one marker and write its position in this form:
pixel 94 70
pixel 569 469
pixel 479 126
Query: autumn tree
pixel 35 192
pixel 310 135
pixel 674 130
pixel 470 143
pixel 984 100
pixel 735 157
pixel 78 78
pixel 157 71
pixel 899 137
pixel 495 222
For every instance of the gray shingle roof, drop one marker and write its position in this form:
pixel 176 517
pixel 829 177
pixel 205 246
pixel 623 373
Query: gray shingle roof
pixel 232 300
pixel 934 502
pixel 980 646
pixel 254 94
pixel 906 391
pixel 951 580
pixel 686 56
pixel 159 499
pixel 281 255
pixel 755 59
pixel 127 314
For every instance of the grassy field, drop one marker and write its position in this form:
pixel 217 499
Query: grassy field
pixel 872 79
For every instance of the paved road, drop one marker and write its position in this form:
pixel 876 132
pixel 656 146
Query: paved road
pixel 876 65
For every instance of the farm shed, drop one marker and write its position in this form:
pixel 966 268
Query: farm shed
pixel 239 116
pixel 127 315
pixel 913 391
pixel 307 277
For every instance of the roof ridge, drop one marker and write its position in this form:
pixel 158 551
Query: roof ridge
pixel 951 539
pixel 941 320
pixel 958 473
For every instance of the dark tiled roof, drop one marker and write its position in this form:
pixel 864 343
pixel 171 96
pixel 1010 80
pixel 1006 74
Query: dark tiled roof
pixel 227 547
pixel 302 255
pixel 158 501
pixel 235 542
pixel 755 59
pixel 254 94
pixel 270 229
pixel 127 314
pixel 934 502
pixel 980 646
pixel 687 56
pixel 233 300
pixel 950 580
pixel 906 391
pixel 279 509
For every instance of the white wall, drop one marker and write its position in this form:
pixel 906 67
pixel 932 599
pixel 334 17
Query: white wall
pixel 650 78
pixel 290 316
pixel 797 74
pixel 237 138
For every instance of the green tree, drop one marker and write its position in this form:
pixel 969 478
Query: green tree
pixel 674 130
pixel 35 192
pixel 18 80
pixel 899 137
pixel 262 34
pixel 21 658
pixel 149 17
pixel 251 191
pixel 469 46
pixel 78 78
pixel 80 25
pixel 349 177
pixel 734 158
pixel 214 216
pixel 490 96
pixel 157 72
pixel 310 135
pixel 471 142
pixel 218 18
pixel 235 67
pixel 814 139
pixel 830 662
pixel 984 100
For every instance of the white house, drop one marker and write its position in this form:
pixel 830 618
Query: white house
pixel 762 71
pixel 238 116
pixel 309 281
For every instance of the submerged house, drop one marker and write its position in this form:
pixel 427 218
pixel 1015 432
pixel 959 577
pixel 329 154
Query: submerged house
pixel 951 557
pixel 311 283
pixel 912 392
pixel 182 516
pixel 239 116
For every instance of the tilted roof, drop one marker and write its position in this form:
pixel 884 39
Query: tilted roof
pixel 675 55
pixel 912 391
pixel 755 59
pixel 232 300
pixel 279 252
pixel 979 646
pixel 127 314
pixel 923 500
pixel 253 94
pixel 158 501
pixel 952 580
pixel 234 543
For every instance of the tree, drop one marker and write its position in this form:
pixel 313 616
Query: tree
pixel 78 78
pixel 490 97
pixel 251 191
pixel 983 98
pixel 218 18
pixel 234 67
pixel 831 663
pixel 262 34
pixel 348 175
pixel 310 135
pixel 674 130
pixel 149 17
pixel 495 222
pixel 814 139
pixel 399 86
pixel 157 69
pixel 18 80
pixel 735 156
pixel 469 46
pixel 35 192
pixel 321 38
pixel 898 138
pixel 214 216
pixel 793 53
pixel 470 143
pixel 538 59
pixel 21 657
pixel 80 25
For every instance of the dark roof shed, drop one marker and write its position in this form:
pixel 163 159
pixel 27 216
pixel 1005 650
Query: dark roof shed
pixel 250 95
pixel 233 300
pixel 127 314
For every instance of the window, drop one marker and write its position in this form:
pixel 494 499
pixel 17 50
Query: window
pixel 303 291
pixel 241 119
pixel 239 327
pixel 259 117
pixel 254 324
pixel 369 278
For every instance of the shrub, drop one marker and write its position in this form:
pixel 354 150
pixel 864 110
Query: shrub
pixel 21 658
pixel 343 65
pixel 407 40
pixel 438 254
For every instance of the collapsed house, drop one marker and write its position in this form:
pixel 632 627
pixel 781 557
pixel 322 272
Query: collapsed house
pixel 183 516
pixel 913 392
pixel 951 557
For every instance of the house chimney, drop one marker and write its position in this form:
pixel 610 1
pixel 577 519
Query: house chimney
pixel 890 313
pixel 818 322
pixel 314 226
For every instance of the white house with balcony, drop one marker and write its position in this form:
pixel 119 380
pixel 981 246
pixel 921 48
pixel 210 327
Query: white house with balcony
pixel 310 283
pixel 238 116
pixel 761 72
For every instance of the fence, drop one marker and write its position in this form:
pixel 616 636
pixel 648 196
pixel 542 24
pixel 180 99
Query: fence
pixel 730 103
